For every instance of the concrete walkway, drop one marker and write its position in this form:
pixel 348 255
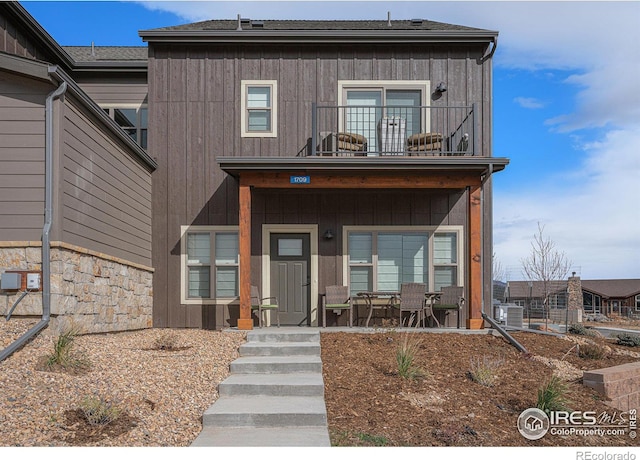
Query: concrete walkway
pixel 274 396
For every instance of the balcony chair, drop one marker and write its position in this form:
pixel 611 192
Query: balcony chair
pixel 351 142
pixel 451 300
pixel 337 299
pixel 424 142
pixel 258 305
pixel 412 299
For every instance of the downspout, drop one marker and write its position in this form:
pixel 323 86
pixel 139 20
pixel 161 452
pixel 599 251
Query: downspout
pixel 48 221
pixel 482 234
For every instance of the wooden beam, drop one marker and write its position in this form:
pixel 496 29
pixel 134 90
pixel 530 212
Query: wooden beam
pixel 408 180
pixel 245 321
pixel 474 291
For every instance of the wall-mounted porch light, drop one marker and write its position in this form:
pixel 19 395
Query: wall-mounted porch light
pixel 328 235
pixel 442 87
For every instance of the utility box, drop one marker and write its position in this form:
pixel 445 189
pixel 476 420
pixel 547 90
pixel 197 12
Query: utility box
pixel 21 280
pixel 33 281
pixel 392 135
pixel 10 281
pixel 514 316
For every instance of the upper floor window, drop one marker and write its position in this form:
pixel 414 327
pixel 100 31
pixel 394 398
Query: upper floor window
pixel 133 120
pixel 259 114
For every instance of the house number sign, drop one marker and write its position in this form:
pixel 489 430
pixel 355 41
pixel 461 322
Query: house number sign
pixel 300 179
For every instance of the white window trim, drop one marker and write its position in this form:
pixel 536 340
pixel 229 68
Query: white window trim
pixel 430 230
pixel 423 85
pixel 184 229
pixel 244 132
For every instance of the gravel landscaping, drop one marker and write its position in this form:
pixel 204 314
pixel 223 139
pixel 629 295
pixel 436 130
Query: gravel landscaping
pixel 161 393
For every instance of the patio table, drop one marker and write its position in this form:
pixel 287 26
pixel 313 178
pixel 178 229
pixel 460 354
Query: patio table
pixel 370 296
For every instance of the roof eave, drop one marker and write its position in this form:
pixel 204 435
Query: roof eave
pixel 320 36
pixel 110 66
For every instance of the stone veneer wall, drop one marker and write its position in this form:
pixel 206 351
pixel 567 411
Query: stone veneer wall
pixel 95 292
pixel 621 384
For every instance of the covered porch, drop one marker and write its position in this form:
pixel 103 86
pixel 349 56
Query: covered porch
pixel 464 174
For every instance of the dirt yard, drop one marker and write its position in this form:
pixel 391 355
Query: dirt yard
pixel 369 404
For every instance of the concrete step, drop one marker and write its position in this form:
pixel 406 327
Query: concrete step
pixel 275 364
pixel 282 335
pixel 272 385
pixel 266 411
pixel 290 436
pixel 279 349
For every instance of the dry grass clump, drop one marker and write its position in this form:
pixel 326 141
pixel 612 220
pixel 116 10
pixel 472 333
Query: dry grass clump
pixel 405 358
pixel 99 412
pixel 63 354
pixel 485 371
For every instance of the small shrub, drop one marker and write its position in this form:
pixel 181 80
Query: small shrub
pixel 485 371
pixel 628 340
pixel 591 351
pixel 580 329
pixel 553 395
pixel 405 356
pixel 167 340
pixel 99 412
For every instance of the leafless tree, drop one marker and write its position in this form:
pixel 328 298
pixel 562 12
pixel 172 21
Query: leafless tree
pixel 545 265
pixel 499 273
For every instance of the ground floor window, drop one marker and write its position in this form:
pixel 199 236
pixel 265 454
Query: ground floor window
pixel 638 302
pixel 210 263
pixel 382 259
pixel 591 302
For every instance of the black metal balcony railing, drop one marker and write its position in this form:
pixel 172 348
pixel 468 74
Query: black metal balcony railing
pixel 394 131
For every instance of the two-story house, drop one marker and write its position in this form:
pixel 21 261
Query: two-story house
pixel 294 155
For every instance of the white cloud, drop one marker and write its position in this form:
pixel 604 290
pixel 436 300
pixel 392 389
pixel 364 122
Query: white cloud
pixel 529 102
pixel 593 215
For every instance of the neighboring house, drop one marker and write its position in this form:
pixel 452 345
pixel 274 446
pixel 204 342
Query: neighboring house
pixel 612 296
pixel 620 296
pixel 294 155
pixel 75 188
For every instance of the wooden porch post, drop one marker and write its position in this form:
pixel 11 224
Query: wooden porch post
pixel 245 322
pixel 474 293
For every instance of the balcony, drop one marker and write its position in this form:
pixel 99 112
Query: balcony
pixel 378 131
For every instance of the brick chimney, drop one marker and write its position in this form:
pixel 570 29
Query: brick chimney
pixel 574 292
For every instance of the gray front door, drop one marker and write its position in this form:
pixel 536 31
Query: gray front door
pixel 290 276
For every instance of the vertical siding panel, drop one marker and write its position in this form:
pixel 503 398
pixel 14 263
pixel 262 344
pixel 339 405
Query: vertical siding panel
pixel 195 155
pixel 328 84
pixel 176 198
pixel 158 144
pixel 231 111
pixel 157 74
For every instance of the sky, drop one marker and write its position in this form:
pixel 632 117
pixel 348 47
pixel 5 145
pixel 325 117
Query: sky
pixel 566 88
